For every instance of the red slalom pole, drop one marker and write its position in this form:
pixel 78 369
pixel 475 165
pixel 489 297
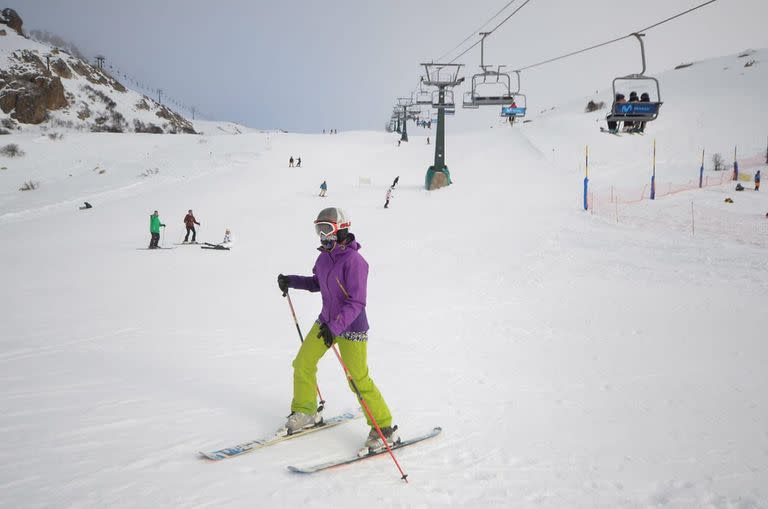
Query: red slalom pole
pixel 404 476
pixel 301 338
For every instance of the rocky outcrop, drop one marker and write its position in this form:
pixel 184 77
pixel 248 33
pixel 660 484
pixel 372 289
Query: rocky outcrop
pixel 12 19
pixel 177 122
pixel 30 99
pixel 60 67
pixel 41 79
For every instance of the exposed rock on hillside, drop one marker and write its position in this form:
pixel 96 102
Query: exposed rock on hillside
pixel 12 19
pixel 42 84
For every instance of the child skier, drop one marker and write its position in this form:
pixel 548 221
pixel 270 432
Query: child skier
pixel 323 189
pixel 189 223
pixel 340 275
pixel 154 229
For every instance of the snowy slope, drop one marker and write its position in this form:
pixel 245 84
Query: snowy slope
pixel 572 361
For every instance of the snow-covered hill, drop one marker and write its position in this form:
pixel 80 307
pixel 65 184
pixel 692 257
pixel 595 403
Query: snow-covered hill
pixel 571 360
pixel 42 86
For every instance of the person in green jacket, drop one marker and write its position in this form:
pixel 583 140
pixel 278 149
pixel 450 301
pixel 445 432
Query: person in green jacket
pixel 154 229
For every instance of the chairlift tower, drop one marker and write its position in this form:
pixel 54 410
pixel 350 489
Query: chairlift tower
pixel 404 103
pixel 444 77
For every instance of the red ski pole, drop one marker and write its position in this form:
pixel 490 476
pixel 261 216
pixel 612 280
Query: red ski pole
pixel 369 413
pixel 301 338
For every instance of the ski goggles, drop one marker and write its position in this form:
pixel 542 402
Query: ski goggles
pixel 327 228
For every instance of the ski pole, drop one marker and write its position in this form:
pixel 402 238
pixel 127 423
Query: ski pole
pixel 369 413
pixel 301 338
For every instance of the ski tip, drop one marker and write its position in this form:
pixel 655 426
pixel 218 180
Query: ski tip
pixel 208 456
pixel 298 470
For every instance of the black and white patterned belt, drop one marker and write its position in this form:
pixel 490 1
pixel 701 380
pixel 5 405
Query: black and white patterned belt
pixel 352 336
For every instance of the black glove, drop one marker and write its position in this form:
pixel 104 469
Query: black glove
pixel 282 282
pixel 326 334
pixel 162 225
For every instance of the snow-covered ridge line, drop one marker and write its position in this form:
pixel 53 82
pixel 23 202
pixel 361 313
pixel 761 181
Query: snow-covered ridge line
pixel 42 87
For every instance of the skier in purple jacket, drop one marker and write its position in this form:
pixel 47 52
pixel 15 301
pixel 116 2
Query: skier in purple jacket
pixel 340 275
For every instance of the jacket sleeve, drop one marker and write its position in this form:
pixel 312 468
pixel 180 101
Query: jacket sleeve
pixel 308 283
pixel 355 288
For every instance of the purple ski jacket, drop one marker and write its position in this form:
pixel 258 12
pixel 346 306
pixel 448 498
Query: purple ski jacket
pixel 341 277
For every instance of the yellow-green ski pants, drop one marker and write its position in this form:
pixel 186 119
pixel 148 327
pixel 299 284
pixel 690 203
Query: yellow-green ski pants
pixel 354 354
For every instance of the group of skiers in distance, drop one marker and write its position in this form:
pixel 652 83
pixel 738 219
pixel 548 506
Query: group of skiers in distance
pixel 189 223
pixel 331 131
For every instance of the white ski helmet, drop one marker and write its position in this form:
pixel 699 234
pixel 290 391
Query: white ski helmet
pixel 329 221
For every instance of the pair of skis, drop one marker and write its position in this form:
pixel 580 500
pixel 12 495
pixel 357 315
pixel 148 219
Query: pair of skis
pixel 281 435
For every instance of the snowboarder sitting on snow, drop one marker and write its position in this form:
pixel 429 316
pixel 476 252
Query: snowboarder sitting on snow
pixel 739 187
pixel 340 275
pixel 86 206
pixel 154 229
pixel 757 180
pixel 190 222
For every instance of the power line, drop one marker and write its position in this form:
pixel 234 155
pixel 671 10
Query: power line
pixel 474 32
pixel 561 57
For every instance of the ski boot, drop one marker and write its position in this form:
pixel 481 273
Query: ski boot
pixel 299 421
pixel 374 444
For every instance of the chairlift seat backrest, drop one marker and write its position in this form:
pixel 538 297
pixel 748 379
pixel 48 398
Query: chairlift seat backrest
pixel 635 111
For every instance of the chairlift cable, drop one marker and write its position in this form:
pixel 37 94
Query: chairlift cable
pixel 618 38
pixel 474 32
pixel 489 33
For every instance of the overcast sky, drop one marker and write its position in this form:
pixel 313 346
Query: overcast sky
pixel 305 65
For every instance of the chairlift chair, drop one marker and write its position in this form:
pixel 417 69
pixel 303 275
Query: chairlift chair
pixel 636 111
pixel 502 84
pixel 467 101
pixel 517 111
pixel 423 97
pixel 447 99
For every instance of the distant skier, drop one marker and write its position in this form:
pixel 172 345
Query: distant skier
pixel 394 182
pixel 323 189
pixel 225 244
pixel 189 223
pixel 290 162
pixel 86 206
pixel 757 180
pixel 298 162
pixel 340 275
pixel 154 229
pixel 427 140
pixel 398 143
pixel 388 197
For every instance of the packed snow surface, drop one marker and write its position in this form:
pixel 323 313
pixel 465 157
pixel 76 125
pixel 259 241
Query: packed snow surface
pixel 613 358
